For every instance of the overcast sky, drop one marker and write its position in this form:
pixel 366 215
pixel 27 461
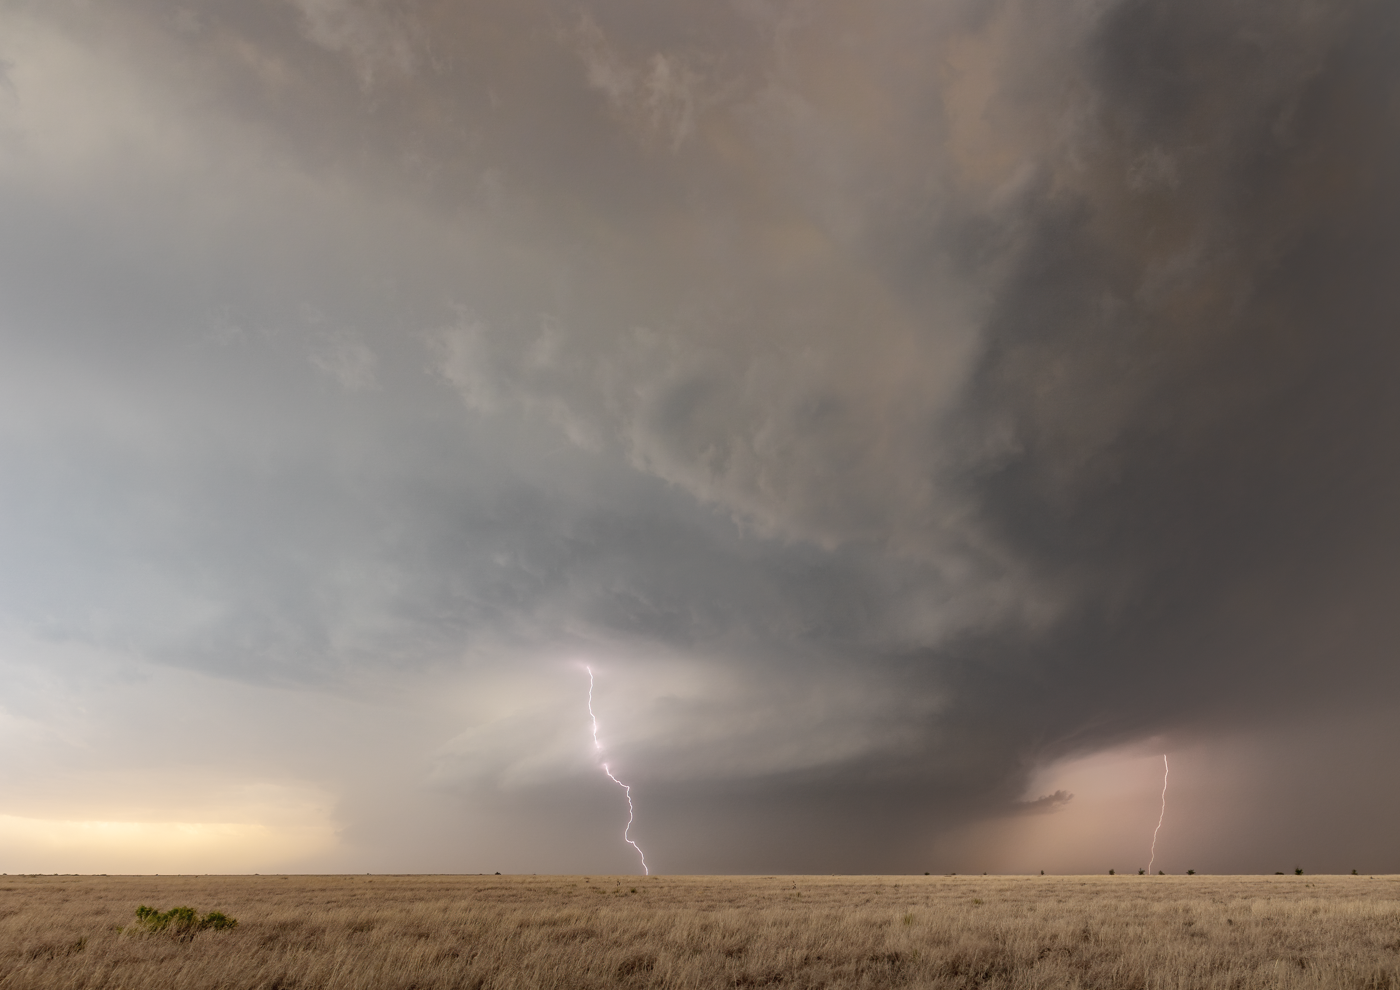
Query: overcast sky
pixel 922 415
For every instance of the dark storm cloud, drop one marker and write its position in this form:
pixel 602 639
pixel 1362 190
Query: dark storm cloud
pixel 888 402
pixel 1190 370
pixel 1195 377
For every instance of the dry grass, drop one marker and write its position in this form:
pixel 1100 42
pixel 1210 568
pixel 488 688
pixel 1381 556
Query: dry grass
pixel 397 933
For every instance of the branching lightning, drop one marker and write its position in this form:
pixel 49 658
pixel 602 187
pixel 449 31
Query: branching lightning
pixel 1166 769
pixel 598 747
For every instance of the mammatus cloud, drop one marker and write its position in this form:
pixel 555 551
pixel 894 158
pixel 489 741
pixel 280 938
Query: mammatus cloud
pixel 898 407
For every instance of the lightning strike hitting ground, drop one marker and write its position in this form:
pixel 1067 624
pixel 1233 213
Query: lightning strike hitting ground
pixel 1166 769
pixel 598 747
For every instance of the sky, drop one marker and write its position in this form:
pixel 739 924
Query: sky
pixel 921 416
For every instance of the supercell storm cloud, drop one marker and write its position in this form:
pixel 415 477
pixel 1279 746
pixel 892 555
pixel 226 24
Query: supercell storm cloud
pixel 919 415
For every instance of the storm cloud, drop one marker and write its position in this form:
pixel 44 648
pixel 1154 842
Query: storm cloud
pixel 914 413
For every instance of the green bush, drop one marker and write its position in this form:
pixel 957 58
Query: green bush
pixel 181 921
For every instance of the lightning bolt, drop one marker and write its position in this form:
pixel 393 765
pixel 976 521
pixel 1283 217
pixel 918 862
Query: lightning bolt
pixel 1166 769
pixel 598 747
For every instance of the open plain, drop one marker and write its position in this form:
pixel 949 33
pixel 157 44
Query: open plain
pixel 430 932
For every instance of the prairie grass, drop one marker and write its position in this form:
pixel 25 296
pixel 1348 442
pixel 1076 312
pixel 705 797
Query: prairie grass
pixel 429 932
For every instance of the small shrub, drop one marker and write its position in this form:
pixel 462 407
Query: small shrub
pixel 1190 873
pixel 181 922
pixel 1298 871
pixel 1353 873
pixel 1141 871
pixel 1110 873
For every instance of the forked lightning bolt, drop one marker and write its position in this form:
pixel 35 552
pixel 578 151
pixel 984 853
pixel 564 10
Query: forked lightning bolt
pixel 598 747
pixel 1166 769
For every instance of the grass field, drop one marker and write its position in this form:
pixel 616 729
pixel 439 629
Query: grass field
pixel 428 932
